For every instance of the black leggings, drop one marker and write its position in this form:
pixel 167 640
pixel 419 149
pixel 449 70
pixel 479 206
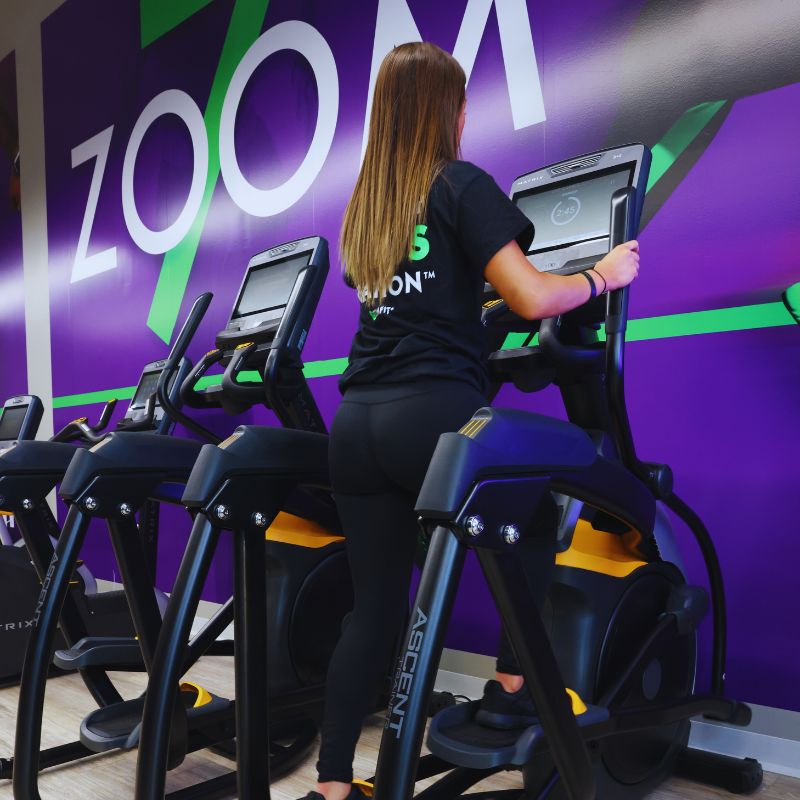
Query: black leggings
pixel 382 440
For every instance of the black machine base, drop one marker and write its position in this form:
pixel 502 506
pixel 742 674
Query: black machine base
pixel 735 775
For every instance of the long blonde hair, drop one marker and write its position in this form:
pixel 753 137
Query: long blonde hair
pixel 419 92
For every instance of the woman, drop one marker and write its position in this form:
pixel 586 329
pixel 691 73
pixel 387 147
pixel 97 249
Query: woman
pixel 420 234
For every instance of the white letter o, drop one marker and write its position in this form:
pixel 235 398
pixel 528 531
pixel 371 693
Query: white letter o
pixel 172 101
pixel 306 40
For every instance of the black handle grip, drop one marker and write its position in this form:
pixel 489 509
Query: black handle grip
pixel 188 394
pixel 584 359
pixel 230 384
pixel 105 417
pixel 621 227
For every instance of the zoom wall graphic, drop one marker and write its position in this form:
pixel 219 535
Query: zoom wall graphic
pixel 13 365
pixel 183 138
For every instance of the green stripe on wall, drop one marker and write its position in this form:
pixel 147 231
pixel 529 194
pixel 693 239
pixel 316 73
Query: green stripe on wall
pixel 243 30
pixel 161 16
pixel 679 137
pixel 692 323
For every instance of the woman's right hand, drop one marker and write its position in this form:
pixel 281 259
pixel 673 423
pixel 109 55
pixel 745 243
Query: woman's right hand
pixel 620 266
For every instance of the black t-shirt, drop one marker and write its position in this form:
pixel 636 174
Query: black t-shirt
pixel 429 324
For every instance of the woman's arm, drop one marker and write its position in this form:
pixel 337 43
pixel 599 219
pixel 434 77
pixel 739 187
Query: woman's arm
pixel 537 295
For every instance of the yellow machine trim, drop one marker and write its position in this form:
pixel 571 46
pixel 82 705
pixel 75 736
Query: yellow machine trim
pixel 598 551
pixel 203 695
pixel 78 420
pixel 291 529
pixel 491 303
pixel 230 440
pixel 578 706
pixel 367 789
pixel 243 345
pixel 474 427
pixel 211 352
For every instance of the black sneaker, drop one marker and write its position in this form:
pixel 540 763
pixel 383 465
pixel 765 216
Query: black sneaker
pixel 356 793
pixel 506 710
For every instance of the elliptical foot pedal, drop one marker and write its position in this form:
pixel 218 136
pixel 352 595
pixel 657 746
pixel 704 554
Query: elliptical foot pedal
pixel 455 736
pixel 117 726
pixel 109 727
pixel 111 652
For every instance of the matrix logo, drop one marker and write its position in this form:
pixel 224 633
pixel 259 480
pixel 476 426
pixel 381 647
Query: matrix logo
pixel 212 131
pixel 284 248
pixel 21 625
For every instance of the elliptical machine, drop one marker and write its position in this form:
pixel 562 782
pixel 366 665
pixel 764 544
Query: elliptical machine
pixel 29 470
pixel 304 554
pixel 620 623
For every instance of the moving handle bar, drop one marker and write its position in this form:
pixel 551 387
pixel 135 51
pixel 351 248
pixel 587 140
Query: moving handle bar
pixel 178 351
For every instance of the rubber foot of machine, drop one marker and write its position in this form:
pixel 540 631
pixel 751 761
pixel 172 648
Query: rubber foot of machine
pixel 735 775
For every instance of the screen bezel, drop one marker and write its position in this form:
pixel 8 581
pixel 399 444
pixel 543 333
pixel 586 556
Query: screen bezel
pixel 559 185
pixel 24 409
pixel 267 264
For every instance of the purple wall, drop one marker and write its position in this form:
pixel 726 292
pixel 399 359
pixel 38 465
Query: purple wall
pixel 720 408
pixel 13 369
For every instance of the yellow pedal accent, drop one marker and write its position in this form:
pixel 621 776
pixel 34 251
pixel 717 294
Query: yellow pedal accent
pixel 203 695
pixel 291 529
pixel 598 551
pixel 366 787
pixel 578 706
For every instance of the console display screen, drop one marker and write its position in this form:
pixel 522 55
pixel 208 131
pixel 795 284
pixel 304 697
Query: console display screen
pixel 147 386
pixel 573 211
pixel 270 285
pixel 11 423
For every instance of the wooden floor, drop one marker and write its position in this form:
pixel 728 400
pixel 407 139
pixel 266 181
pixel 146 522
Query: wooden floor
pixel 111 777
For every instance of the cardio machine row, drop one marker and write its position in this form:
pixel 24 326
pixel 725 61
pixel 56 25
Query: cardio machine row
pixel 629 661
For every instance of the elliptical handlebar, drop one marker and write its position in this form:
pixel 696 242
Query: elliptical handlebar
pixel 584 359
pixel 198 311
pixel 80 430
pixel 621 229
pixel 189 396
pixel 105 416
pixel 230 385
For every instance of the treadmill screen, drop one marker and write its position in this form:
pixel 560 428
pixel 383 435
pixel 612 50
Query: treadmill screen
pixel 269 285
pixel 147 386
pixel 574 211
pixel 11 423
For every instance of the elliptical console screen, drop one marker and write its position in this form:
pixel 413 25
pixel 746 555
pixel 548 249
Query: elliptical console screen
pixel 572 212
pixel 11 423
pixel 269 285
pixel 147 386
